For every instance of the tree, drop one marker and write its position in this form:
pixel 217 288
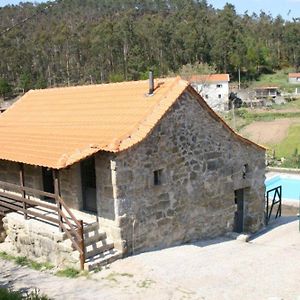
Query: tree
pixel 25 82
pixel 5 88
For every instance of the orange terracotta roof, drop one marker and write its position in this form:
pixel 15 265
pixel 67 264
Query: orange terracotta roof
pixel 210 78
pixel 294 75
pixel 58 127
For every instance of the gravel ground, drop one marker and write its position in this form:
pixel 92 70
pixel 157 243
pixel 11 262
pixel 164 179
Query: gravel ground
pixel 267 267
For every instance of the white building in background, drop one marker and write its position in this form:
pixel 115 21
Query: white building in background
pixel 294 78
pixel 214 89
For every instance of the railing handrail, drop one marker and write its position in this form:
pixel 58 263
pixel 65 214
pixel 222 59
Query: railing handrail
pixel 274 189
pixel 277 192
pixel 67 209
pixel 27 189
pixel 74 232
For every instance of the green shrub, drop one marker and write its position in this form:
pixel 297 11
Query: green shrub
pixel 6 294
pixel 68 272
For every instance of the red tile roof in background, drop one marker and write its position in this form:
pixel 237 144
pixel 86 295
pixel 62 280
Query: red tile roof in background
pixel 294 75
pixel 210 78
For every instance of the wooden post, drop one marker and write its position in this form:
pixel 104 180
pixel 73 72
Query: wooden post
pixel 22 184
pixel 82 256
pixel 57 195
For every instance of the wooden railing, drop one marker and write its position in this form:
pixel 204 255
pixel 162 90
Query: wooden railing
pixel 28 201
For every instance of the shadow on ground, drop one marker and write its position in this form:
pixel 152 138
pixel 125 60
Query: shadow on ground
pixel 274 223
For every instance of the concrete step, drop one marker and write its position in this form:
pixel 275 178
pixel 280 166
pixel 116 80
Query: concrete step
pixel 102 259
pixel 98 248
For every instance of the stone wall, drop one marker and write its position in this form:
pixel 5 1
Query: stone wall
pixel 9 172
pixel 106 198
pixel 70 180
pixel 38 241
pixel 70 184
pixel 202 163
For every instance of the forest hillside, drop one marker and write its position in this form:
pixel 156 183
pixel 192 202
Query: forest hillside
pixel 69 42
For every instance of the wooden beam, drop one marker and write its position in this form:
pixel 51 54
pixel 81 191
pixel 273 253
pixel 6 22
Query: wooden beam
pixel 57 195
pixel 22 184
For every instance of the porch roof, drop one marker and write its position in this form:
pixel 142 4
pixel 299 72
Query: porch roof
pixel 59 126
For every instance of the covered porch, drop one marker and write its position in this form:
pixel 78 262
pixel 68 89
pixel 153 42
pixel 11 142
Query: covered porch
pixel 49 210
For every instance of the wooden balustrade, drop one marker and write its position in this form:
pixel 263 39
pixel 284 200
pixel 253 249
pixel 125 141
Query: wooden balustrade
pixel 25 200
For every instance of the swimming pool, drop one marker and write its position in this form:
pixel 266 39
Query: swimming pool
pixel 290 185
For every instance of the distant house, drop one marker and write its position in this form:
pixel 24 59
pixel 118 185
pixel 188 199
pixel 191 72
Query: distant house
pixel 150 169
pixel 4 105
pixel 294 78
pixel 266 92
pixel 214 88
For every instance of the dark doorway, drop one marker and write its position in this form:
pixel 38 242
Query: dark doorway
pixel 239 214
pixel 88 180
pixel 48 184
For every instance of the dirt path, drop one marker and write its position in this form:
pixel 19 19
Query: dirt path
pixel 269 133
pixel 266 268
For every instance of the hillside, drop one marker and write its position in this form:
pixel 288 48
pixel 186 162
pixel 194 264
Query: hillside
pixel 277 128
pixel 70 42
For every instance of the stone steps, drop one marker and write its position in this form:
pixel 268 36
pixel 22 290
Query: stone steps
pixel 102 259
pixel 99 251
pixel 98 236
pixel 98 248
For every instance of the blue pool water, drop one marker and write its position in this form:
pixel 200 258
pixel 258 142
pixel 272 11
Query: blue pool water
pixel 290 186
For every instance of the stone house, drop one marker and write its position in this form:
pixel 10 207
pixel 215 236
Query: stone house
pixel 214 89
pixel 152 170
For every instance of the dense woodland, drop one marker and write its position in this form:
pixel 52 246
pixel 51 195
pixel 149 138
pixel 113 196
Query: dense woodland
pixel 68 42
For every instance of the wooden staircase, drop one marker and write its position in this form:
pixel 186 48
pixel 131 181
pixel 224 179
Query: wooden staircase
pixel 99 251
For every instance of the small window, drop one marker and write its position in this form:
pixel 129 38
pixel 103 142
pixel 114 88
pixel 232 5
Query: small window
pixel 219 96
pixel 206 96
pixel 157 177
pixel 219 85
pixel 245 170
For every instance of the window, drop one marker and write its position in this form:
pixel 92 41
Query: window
pixel 219 85
pixel 219 96
pixel 157 177
pixel 245 170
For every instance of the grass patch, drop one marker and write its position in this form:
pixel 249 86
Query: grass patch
pixel 289 145
pixel 68 272
pixel 289 105
pixel 244 117
pixel 6 294
pixel 7 256
pixel 113 276
pixel 145 283
pixel 24 261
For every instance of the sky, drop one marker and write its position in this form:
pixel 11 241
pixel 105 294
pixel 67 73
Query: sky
pixel 288 9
